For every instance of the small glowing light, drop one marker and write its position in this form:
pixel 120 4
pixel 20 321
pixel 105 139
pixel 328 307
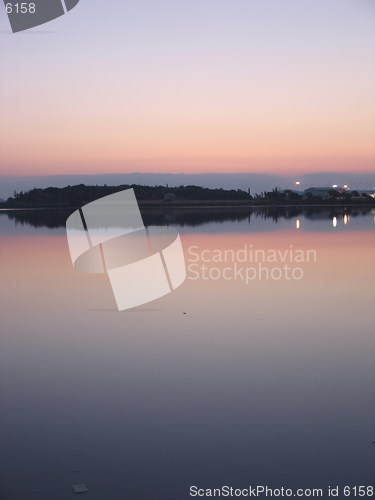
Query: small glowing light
pixel 298 224
pixel 334 222
pixel 346 186
pixel 346 219
pixel 298 183
pixel 335 186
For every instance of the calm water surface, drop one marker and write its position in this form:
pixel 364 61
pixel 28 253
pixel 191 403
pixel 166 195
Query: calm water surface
pixel 220 383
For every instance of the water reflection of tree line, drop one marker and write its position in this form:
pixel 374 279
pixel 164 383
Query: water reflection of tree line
pixel 55 218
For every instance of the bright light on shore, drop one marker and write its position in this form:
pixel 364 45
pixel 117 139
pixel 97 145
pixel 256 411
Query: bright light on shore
pixel 298 183
pixel 346 186
pixel 335 186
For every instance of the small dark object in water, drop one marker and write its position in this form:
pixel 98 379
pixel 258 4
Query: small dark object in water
pixel 184 313
pixel 80 488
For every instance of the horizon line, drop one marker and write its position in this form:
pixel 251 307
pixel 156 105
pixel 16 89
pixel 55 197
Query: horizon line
pixel 334 172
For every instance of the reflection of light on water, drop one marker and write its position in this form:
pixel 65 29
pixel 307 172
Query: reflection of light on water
pixel 298 223
pixel 334 222
pixel 346 219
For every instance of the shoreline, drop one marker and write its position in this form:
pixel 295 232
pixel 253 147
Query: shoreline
pixel 203 204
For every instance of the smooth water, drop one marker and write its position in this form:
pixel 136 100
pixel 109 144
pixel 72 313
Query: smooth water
pixel 223 382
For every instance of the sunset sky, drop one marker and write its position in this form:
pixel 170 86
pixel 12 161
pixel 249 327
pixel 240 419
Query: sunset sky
pixel 272 86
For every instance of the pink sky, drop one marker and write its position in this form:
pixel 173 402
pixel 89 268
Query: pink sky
pixel 242 88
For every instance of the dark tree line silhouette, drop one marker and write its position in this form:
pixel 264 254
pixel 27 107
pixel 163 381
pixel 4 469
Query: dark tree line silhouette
pixel 76 196
pixel 81 194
